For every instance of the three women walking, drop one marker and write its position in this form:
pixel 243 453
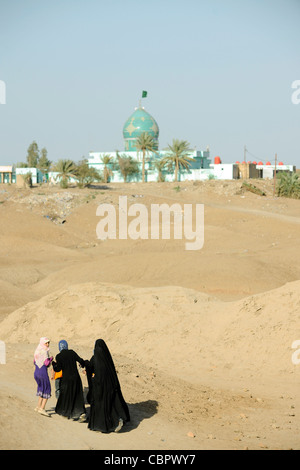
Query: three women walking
pixel 108 410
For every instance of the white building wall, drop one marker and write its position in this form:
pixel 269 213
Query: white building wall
pixel 224 171
pixel 24 171
pixel 268 170
pixel 95 160
pixel 196 175
pixel 221 171
pixel 95 157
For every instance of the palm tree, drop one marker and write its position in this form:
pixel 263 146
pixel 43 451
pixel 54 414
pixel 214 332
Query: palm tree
pixel 146 143
pixel 159 166
pixel 178 155
pixel 66 169
pixel 127 166
pixel 106 159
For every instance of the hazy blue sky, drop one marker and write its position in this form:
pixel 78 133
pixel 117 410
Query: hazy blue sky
pixel 217 72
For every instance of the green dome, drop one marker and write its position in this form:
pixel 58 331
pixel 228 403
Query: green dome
pixel 140 121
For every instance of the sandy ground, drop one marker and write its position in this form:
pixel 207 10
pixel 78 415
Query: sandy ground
pixel 202 340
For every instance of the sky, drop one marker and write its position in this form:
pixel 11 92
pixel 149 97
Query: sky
pixel 218 73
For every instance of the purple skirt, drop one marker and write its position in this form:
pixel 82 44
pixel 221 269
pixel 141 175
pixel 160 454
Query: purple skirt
pixel 43 382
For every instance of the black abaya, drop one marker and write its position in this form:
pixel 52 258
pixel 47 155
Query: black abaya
pixel 70 402
pixel 105 396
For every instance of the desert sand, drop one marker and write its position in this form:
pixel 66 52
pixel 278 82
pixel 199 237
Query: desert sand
pixel 202 340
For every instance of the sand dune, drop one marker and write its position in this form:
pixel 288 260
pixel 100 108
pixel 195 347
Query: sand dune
pixel 202 340
pixel 175 324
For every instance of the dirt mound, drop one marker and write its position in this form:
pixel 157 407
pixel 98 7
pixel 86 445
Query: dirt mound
pixel 175 329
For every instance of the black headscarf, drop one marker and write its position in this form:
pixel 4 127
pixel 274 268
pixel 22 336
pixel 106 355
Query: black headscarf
pixel 103 364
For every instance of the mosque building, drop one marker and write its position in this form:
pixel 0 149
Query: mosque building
pixel 138 122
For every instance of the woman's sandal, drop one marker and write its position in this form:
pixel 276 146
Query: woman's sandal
pixel 43 412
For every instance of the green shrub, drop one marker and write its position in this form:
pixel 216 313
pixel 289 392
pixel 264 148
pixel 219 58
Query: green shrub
pixel 288 185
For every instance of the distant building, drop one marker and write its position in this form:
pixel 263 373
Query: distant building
pixel 200 167
pixel 268 170
pixel 7 174
pixel 141 121
pixel 36 175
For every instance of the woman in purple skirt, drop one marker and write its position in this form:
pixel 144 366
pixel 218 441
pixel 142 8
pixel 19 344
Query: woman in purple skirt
pixel 42 361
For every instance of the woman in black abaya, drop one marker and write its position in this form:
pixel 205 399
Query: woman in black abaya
pixel 108 410
pixel 70 402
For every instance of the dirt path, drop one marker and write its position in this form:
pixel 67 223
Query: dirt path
pixel 166 414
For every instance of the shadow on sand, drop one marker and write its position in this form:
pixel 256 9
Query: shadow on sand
pixel 99 186
pixel 138 412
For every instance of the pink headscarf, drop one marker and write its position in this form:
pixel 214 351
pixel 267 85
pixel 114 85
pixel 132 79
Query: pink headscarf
pixel 42 352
